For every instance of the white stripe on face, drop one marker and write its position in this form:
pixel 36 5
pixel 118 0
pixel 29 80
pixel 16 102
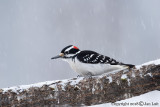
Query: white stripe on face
pixel 69 49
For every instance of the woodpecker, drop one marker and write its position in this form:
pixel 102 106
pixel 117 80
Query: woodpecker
pixel 89 63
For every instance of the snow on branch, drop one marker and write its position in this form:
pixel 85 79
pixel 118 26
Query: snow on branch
pixel 81 91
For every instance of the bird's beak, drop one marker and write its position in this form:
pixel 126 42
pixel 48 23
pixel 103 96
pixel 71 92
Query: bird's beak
pixel 58 56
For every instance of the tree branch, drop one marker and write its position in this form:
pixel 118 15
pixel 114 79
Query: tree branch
pixel 80 91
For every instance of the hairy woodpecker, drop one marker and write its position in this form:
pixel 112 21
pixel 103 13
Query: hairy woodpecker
pixel 89 63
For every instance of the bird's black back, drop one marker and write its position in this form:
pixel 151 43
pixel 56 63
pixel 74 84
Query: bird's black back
pixel 92 57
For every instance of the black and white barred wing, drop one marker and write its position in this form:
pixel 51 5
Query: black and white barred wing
pixel 92 57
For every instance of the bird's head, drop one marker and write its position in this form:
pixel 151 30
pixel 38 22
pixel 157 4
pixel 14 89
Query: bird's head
pixel 67 52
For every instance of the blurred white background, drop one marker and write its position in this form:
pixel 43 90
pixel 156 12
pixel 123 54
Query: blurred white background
pixel 32 31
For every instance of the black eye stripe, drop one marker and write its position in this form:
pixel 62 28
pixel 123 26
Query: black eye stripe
pixel 66 52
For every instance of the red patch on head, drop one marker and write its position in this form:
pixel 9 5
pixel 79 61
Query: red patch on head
pixel 75 47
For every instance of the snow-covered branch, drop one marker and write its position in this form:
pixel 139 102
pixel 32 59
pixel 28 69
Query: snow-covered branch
pixel 81 91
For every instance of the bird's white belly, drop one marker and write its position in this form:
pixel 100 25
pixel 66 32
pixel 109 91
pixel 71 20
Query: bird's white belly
pixel 95 69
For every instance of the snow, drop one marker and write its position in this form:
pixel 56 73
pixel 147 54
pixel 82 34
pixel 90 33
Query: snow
pixel 124 76
pixel 149 74
pixel 110 79
pixel 128 82
pixel 133 74
pixel 25 87
pixel 150 99
pixel 20 88
pixel 76 81
pixel 156 62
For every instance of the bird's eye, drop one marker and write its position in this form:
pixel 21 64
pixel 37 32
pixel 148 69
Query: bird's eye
pixel 67 52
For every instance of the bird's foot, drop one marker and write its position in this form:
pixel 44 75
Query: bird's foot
pixel 78 76
pixel 88 75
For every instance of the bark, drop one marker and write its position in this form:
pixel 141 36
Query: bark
pixel 81 91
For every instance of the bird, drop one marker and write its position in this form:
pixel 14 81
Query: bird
pixel 89 63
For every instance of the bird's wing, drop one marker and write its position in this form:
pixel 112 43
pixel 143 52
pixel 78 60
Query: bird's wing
pixel 92 57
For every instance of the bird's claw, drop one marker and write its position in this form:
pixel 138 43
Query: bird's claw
pixel 88 75
pixel 78 76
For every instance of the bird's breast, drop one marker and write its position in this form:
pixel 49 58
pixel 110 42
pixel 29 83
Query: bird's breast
pixel 95 69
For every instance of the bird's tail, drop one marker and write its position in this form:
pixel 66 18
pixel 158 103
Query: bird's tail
pixel 129 65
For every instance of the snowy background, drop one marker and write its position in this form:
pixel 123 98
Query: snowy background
pixel 32 31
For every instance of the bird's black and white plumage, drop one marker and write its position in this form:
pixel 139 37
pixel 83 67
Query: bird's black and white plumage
pixel 89 62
